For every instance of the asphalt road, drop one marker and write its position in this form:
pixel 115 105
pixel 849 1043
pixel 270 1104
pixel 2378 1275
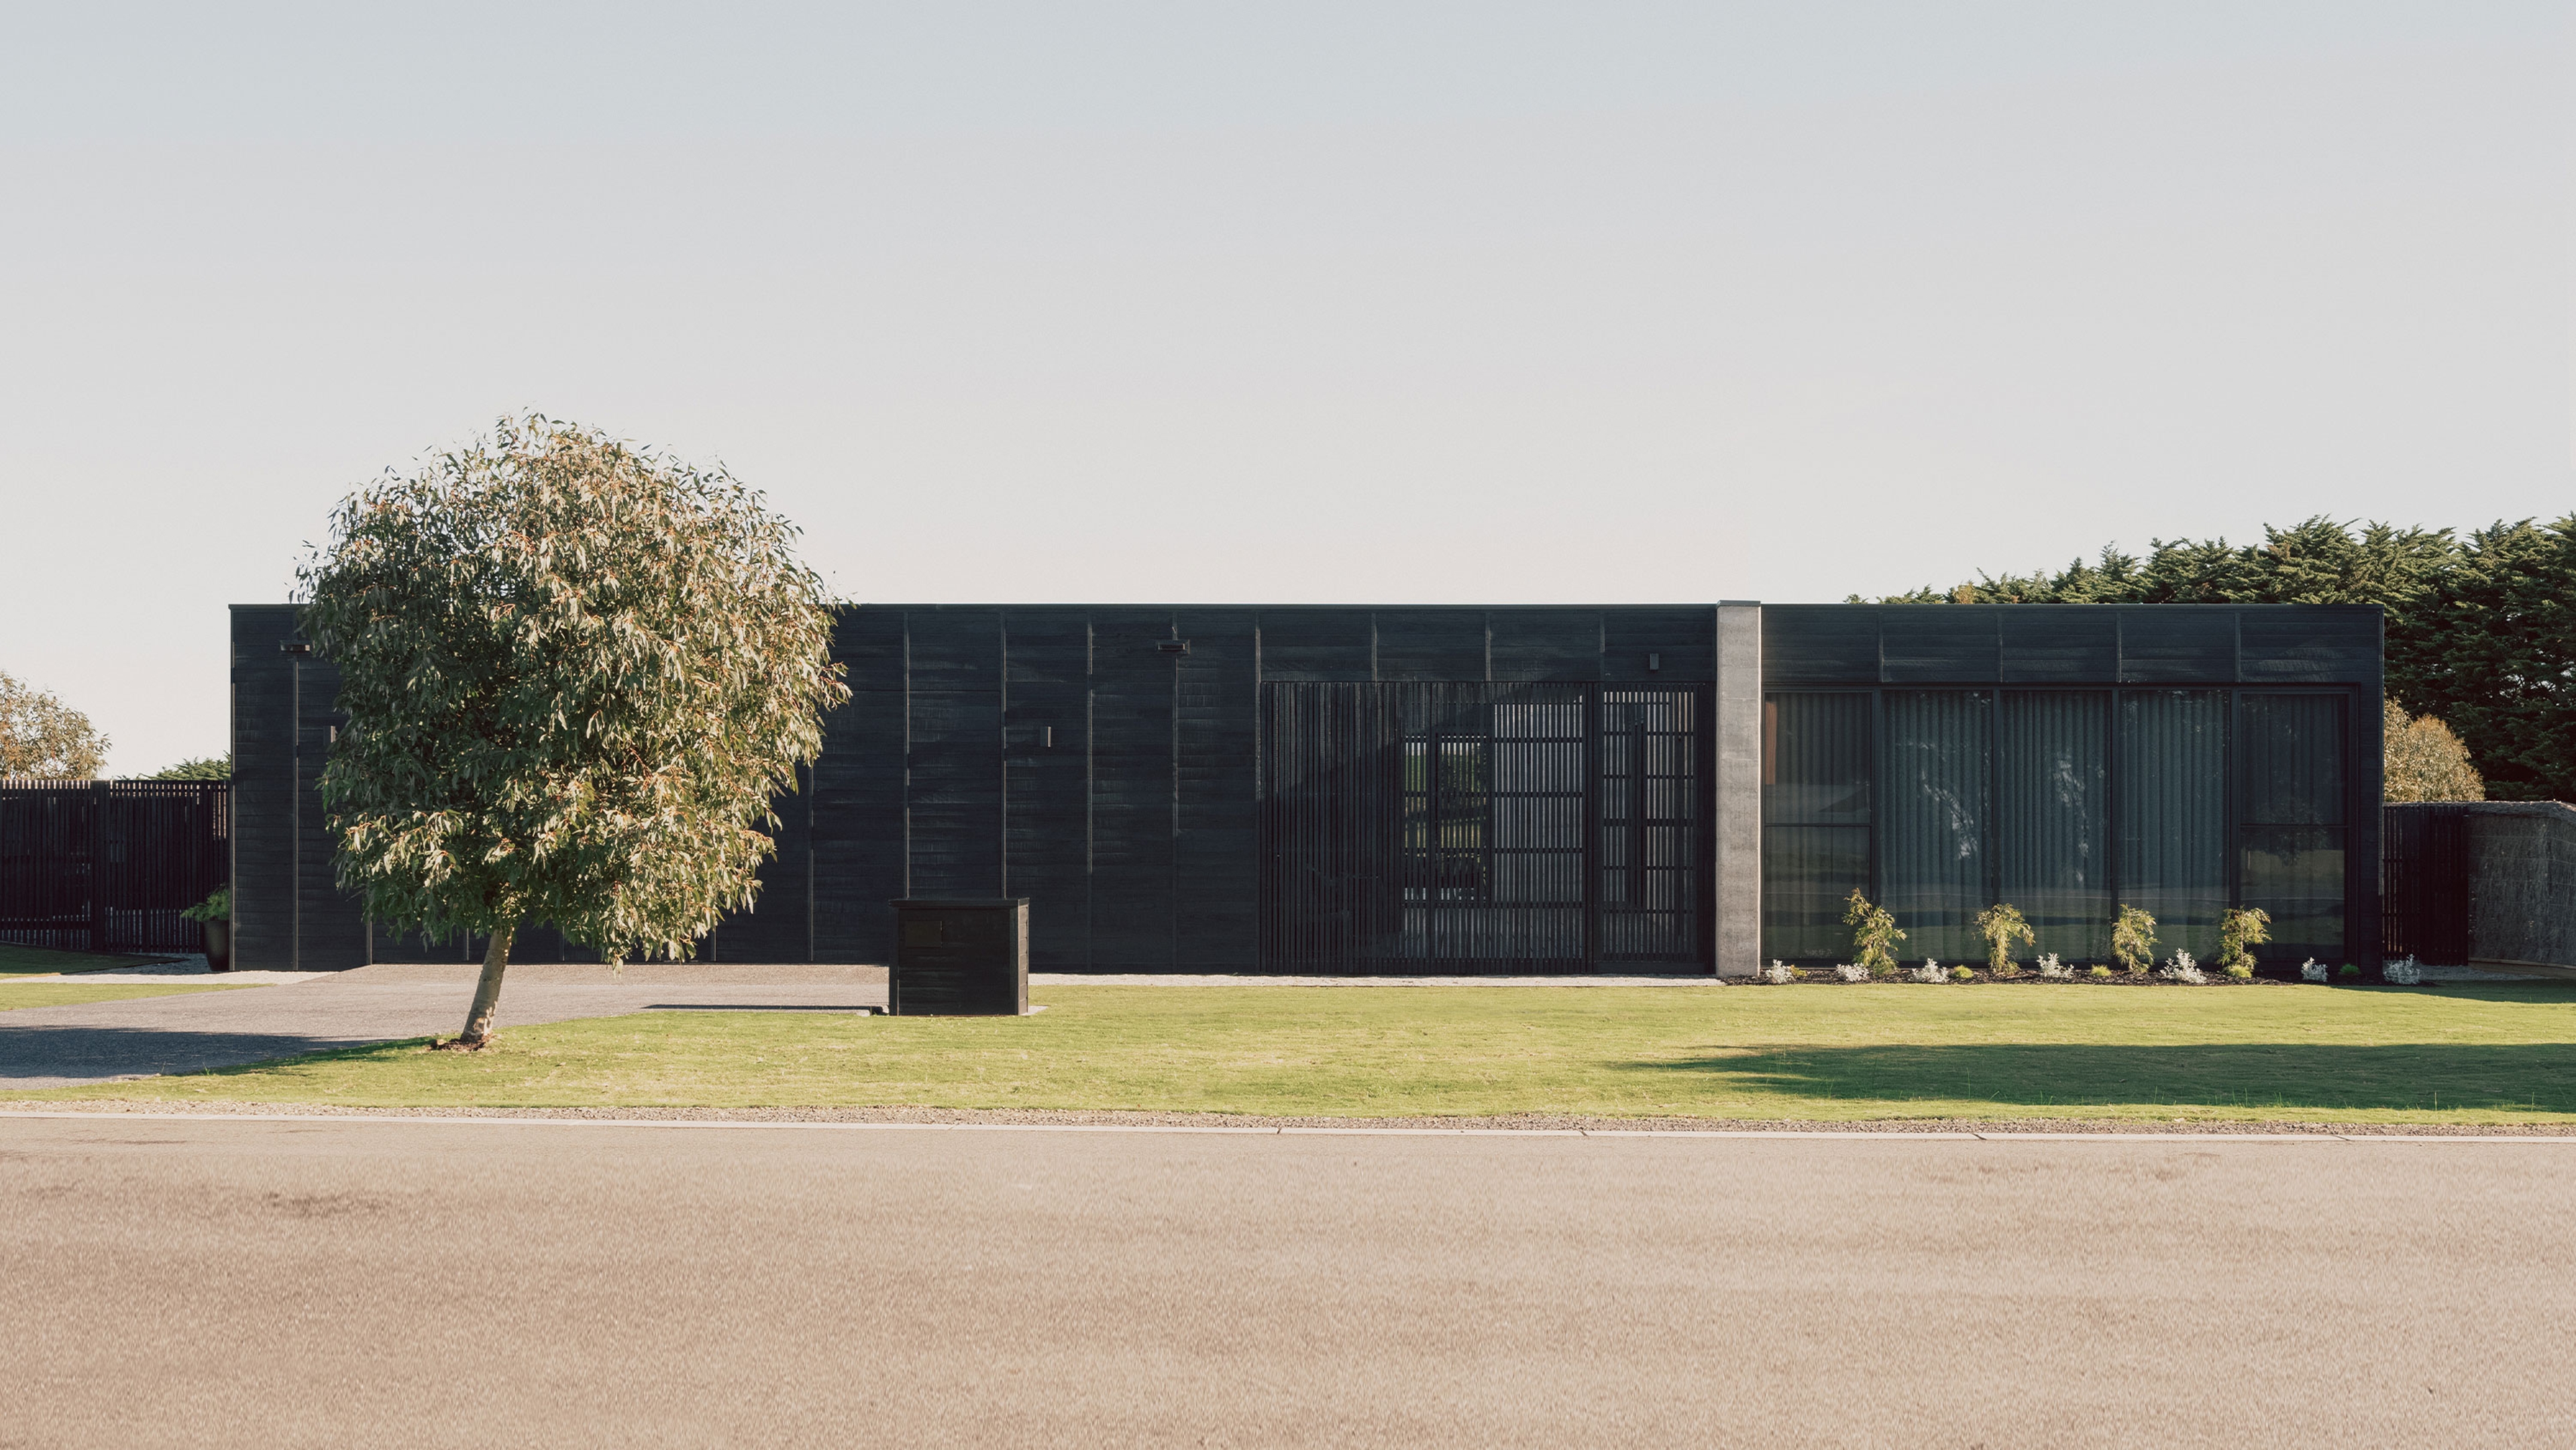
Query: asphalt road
pixel 329 1283
pixel 47 1047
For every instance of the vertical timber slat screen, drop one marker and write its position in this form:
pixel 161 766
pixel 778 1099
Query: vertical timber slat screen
pixel 1481 827
pixel 2424 882
pixel 107 866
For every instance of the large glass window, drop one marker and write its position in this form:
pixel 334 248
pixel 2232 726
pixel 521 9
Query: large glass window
pixel 2172 769
pixel 2290 814
pixel 2068 803
pixel 1933 847
pixel 2052 825
pixel 1816 776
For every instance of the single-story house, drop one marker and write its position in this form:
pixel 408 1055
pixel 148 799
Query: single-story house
pixel 1516 789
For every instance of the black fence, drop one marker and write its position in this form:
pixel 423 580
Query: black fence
pixel 107 866
pixel 2424 883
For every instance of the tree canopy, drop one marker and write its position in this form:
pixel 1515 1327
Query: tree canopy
pixel 211 767
pixel 2481 628
pixel 43 738
pixel 575 672
pixel 2424 761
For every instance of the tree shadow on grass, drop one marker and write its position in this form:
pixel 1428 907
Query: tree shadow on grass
pixel 2539 1077
pixel 40 1055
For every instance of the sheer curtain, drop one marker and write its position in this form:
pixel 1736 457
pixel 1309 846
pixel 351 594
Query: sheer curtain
pixel 2172 773
pixel 1816 817
pixel 1933 837
pixel 2290 794
pixel 2053 815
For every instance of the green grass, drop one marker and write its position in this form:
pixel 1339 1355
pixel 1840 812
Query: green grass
pixel 2464 1054
pixel 18 961
pixel 66 994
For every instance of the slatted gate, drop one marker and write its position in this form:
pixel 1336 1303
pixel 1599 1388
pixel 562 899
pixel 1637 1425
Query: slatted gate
pixel 1483 827
pixel 107 866
pixel 2424 882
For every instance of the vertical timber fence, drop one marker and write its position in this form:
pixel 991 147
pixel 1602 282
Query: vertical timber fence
pixel 2484 883
pixel 107 866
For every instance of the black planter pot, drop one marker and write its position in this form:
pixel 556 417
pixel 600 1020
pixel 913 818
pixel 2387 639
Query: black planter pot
pixel 219 946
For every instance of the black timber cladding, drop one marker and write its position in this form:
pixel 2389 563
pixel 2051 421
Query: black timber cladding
pixel 1118 749
pixel 2145 644
pixel 1104 761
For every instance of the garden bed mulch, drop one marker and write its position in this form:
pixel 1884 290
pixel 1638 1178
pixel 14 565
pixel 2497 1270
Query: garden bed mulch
pixel 1530 1122
pixel 1824 976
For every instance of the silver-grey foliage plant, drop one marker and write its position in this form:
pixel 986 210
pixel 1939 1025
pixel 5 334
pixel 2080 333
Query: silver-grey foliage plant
pixel 575 673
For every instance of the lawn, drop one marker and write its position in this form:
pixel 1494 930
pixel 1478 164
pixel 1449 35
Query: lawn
pixel 66 994
pixel 2270 1051
pixel 18 961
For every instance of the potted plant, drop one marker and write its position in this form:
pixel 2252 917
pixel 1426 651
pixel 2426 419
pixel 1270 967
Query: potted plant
pixel 215 914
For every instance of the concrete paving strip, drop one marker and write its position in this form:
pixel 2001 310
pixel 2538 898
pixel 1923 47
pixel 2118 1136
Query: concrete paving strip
pixel 146 977
pixel 1175 979
pixel 1354 1130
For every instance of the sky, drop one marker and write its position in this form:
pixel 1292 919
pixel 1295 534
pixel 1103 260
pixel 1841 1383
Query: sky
pixel 1394 302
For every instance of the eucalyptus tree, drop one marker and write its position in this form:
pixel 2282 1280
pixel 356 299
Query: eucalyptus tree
pixel 576 672
pixel 43 738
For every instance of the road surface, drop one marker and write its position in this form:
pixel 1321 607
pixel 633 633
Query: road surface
pixel 335 1282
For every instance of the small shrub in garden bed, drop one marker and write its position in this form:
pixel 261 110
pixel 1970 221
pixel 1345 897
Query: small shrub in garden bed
pixel 2407 973
pixel 2347 970
pixel 2133 940
pixel 2239 928
pixel 2052 968
pixel 1874 935
pixel 1850 973
pixel 1780 973
pixel 2312 970
pixel 1964 974
pixel 2002 925
pixel 2101 973
pixel 1930 971
pixel 2182 969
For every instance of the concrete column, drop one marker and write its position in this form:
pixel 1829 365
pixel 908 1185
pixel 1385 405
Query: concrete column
pixel 1737 854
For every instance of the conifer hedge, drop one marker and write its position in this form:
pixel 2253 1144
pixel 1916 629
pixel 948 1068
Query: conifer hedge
pixel 2481 628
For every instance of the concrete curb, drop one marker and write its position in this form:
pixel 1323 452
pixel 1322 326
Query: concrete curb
pixel 1900 1135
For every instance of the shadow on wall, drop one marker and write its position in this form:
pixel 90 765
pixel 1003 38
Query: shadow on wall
pixel 2539 1077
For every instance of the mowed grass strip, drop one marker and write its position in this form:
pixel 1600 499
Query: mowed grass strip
pixel 70 994
pixel 2467 1054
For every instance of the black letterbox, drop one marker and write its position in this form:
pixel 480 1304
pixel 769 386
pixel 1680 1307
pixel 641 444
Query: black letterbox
pixel 960 958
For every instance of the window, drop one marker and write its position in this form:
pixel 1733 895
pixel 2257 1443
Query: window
pixel 2068 803
pixel 1816 777
pixel 2053 816
pixel 2290 815
pixel 2172 787
pixel 1933 859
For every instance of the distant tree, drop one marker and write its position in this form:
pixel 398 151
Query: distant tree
pixel 2481 630
pixel 2424 761
pixel 212 767
pixel 43 738
pixel 2491 649
pixel 575 674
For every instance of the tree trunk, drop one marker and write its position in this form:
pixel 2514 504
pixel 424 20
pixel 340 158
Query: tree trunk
pixel 487 990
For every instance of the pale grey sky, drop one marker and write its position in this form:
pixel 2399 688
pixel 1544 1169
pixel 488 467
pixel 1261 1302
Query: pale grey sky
pixel 1473 302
